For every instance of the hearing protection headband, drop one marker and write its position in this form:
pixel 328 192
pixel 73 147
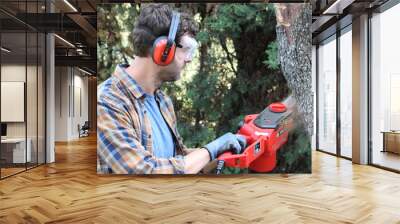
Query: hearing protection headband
pixel 173 28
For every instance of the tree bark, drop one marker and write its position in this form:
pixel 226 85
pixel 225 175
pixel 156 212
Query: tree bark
pixel 294 48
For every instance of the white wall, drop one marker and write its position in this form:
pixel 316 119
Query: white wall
pixel 34 124
pixel 61 103
pixel 16 73
pixel 80 83
pixel 71 93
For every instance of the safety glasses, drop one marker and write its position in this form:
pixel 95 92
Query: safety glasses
pixel 189 46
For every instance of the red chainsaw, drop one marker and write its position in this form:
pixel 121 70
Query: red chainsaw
pixel 265 134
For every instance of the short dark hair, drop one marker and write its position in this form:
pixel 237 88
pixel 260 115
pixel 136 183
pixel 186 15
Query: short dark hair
pixel 154 21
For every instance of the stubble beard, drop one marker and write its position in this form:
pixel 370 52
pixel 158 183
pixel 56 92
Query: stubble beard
pixel 169 76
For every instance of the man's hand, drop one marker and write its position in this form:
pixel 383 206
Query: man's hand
pixel 224 143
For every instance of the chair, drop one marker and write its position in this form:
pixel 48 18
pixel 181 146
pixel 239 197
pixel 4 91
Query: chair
pixel 84 130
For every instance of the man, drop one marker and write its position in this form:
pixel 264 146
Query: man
pixel 137 130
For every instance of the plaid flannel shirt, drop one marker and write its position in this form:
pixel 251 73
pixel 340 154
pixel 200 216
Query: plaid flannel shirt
pixel 124 130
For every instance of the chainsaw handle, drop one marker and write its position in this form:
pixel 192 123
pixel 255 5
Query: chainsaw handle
pixel 224 155
pixel 230 153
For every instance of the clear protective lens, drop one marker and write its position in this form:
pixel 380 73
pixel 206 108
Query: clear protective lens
pixel 189 46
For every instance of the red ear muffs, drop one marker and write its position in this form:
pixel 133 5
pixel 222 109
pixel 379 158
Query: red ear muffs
pixel 163 50
pixel 158 49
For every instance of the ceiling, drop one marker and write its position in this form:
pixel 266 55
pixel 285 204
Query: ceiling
pixel 331 15
pixel 74 22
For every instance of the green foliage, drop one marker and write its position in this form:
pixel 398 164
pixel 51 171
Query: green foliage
pixel 295 156
pixel 232 170
pixel 272 56
pixel 228 87
pixel 114 24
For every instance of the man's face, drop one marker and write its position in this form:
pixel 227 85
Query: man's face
pixel 184 54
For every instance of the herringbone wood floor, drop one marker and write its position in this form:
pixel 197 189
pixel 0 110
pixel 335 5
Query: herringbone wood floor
pixel 70 191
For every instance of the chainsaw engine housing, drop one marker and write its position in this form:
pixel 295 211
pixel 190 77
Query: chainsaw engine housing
pixel 265 133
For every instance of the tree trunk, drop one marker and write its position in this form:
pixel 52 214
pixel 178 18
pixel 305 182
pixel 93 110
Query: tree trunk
pixel 294 47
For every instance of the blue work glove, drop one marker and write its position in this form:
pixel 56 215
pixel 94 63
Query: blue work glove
pixel 225 143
